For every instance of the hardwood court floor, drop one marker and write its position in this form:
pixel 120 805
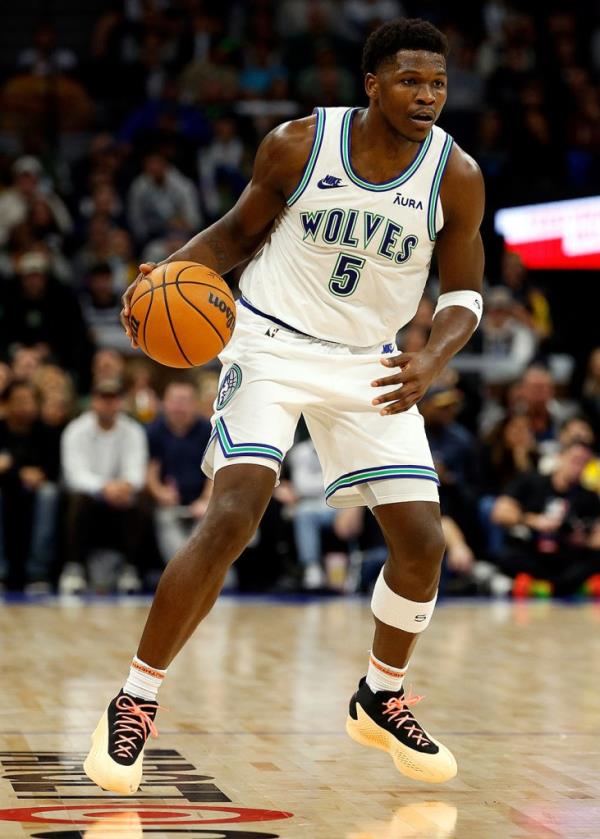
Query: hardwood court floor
pixel 256 723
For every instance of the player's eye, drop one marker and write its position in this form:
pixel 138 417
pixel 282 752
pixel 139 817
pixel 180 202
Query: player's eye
pixel 439 83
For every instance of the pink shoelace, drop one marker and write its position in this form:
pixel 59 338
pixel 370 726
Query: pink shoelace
pixel 398 710
pixel 132 722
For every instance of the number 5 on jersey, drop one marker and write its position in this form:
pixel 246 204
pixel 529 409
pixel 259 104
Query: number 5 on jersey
pixel 346 275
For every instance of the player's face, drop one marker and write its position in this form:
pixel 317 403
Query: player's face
pixel 410 91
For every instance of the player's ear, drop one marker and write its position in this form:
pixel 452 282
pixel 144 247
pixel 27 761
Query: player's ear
pixel 371 86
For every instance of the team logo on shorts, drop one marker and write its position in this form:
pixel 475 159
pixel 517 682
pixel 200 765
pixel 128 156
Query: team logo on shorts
pixel 231 382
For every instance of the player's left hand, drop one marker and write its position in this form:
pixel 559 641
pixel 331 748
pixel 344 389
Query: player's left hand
pixel 417 371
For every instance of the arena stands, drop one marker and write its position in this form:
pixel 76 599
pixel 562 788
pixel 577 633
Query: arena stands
pixel 126 126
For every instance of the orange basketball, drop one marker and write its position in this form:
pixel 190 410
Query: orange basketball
pixel 182 314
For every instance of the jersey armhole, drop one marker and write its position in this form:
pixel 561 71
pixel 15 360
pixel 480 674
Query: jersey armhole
pixel 436 184
pixel 309 166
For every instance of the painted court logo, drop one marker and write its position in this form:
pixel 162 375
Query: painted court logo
pixel 53 799
pixel 231 382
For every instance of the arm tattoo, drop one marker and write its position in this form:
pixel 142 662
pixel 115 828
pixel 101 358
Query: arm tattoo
pixel 221 253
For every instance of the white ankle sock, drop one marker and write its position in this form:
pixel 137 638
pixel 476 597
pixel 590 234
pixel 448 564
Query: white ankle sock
pixel 143 681
pixel 382 676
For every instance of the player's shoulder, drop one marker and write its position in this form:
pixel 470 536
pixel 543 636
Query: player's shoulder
pixel 462 169
pixel 462 191
pixel 293 138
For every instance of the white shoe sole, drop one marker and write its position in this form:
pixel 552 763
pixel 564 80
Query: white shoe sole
pixel 433 769
pixel 104 771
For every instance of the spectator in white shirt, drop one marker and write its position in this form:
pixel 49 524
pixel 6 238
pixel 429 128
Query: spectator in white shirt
pixel 159 196
pixel 104 456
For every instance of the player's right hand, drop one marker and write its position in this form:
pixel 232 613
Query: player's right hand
pixel 145 268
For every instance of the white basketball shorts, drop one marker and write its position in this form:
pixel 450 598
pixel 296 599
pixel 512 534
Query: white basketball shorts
pixel 271 375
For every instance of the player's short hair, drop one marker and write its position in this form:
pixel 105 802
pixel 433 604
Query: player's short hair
pixel 402 34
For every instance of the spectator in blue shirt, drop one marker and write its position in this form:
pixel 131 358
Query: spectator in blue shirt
pixel 177 440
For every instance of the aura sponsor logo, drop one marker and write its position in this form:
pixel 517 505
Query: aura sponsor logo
pixel 405 201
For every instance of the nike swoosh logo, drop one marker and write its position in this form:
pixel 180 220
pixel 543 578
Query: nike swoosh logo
pixel 322 185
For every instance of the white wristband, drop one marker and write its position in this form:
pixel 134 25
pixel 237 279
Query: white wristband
pixel 471 300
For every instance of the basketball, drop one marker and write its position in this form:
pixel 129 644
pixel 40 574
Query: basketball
pixel 182 314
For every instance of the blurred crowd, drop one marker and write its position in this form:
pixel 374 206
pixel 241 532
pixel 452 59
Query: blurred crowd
pixel 116 149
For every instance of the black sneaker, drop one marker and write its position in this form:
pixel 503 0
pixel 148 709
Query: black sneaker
pixel 384 720
pixel 115 759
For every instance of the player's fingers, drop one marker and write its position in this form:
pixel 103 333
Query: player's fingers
pixel 144 269
pixel 400 360
pixel 401 405
pixel 397 379
pixel 403 394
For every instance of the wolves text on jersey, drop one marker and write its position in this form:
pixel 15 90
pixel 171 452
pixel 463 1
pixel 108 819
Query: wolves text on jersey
pixel 346 228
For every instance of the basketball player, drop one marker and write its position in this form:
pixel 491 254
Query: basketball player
pixel 339 221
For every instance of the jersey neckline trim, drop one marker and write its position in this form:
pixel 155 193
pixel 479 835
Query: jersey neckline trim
pixel 309 166
pixel 369 185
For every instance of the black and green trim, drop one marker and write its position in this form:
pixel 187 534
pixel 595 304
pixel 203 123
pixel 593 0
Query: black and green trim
pixel 310 164
pixel 231 449
pixel 394 183
pixel 436 186
pixel 381 473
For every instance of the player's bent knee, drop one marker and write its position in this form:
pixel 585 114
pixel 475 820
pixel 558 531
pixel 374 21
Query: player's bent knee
pixel 400 612
pixel 230 523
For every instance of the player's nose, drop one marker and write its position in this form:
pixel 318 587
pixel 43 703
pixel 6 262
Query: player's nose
pixel 425 95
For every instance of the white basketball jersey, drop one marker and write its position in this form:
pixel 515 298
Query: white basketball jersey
pixel 347 260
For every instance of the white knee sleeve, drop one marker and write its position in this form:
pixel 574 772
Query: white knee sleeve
pixel 392 609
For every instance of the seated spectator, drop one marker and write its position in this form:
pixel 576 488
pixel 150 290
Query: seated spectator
pixel 57 396
pixel 141 399
pixel 222 179
pixel 573 430
pixel 97 246
pixel 177 440
pixel 6 375
pixel 27 188
pixel 207 383
pixel 211 80
pixel 166 114
pixel 326 82
pixel 157 196
pixel 311 515
pixel 552 524
pixel 531 305
pixel 536 398
pixel 26 363
pixel 104 456
pixel 454 453
pixel 591 390
pixel 28 490
pixel 107 364
pixel 503 346
pixel 45 57
pixel 40 312
pixel 509 451
pixel 101 306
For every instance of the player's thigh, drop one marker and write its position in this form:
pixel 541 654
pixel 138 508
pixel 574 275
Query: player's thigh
pixel 240 497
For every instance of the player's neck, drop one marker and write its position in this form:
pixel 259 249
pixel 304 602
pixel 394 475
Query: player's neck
pixel 376 137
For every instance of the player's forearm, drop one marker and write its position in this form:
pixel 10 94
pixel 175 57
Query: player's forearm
pixel 221 246
pixel 451 329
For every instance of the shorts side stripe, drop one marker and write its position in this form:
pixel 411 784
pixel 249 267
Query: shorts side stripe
pixel 381 473
pixel 231 449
